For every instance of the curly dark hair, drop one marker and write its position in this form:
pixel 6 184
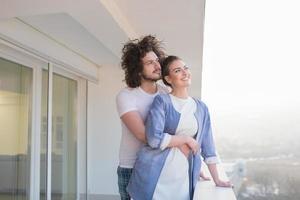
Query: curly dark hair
pixel 132 53
pixel 165 67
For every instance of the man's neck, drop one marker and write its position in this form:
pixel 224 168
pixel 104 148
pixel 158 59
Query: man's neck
pixel 149 87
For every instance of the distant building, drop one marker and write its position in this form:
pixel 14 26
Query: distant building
pixel 236 172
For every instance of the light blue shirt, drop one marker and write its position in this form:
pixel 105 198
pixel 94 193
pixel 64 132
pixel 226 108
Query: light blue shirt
pixel 163 119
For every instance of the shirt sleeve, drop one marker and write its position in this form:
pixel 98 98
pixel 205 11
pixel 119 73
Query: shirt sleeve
pixel 212 160
pixel 207 146
pixel 166 141
pixel 126 102
pixel 155 124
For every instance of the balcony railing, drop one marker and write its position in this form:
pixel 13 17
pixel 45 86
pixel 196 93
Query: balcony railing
pixel 206 190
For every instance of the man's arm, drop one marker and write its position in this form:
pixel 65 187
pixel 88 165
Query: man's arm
pixel 184 143
pixel 135 124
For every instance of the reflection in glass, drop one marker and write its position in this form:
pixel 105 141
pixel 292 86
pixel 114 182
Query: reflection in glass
pixel 15 130
pixel 64 138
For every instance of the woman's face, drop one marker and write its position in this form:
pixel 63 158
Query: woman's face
pixel 179 74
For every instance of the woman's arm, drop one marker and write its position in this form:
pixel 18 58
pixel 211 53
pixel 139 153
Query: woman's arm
pixel 155 123
pixel 215 175
pixel 209 152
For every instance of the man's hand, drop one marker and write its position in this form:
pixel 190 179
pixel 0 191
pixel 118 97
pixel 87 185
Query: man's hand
pixel 193 144
pixel 185 149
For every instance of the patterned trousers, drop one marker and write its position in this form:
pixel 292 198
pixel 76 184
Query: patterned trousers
pixel 123 180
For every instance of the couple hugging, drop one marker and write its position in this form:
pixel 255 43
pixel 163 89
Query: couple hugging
pixel 165 131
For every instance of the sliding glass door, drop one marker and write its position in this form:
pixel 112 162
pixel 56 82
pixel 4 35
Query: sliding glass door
pixel 42 129
pixel 15 130
pixel 64 143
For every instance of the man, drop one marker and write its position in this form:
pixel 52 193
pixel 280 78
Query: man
pixel 140 62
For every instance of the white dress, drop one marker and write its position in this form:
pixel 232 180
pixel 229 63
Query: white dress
pixel 173 182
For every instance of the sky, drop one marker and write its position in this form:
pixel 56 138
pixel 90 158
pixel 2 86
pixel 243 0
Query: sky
pixel 251 62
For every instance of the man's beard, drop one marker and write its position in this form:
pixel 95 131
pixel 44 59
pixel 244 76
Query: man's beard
pixel 147 78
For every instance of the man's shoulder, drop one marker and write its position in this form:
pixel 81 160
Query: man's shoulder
pixel 128 89
pixel 162 98
pixel 126 100
pixel 162 88
pixel 126 93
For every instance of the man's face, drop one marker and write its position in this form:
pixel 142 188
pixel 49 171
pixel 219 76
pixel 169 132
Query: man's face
pixel 151 67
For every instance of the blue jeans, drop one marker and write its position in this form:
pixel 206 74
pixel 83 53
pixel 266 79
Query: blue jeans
pixel 123 180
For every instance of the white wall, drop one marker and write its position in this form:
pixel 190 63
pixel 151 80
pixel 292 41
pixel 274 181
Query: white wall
pixel 104 131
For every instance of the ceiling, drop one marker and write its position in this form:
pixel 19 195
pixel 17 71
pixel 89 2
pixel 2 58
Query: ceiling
pixel 97 29
pixel 179 23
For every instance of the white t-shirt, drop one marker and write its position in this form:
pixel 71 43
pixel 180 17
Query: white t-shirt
pixel 133 99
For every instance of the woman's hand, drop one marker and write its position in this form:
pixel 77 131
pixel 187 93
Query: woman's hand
pixel 220 183
pixel 215 175
pixel 202 176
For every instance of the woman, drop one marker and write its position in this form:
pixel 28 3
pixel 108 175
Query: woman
pixel 162 171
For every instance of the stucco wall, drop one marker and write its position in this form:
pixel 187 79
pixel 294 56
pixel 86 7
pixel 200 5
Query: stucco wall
pixel 104 131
